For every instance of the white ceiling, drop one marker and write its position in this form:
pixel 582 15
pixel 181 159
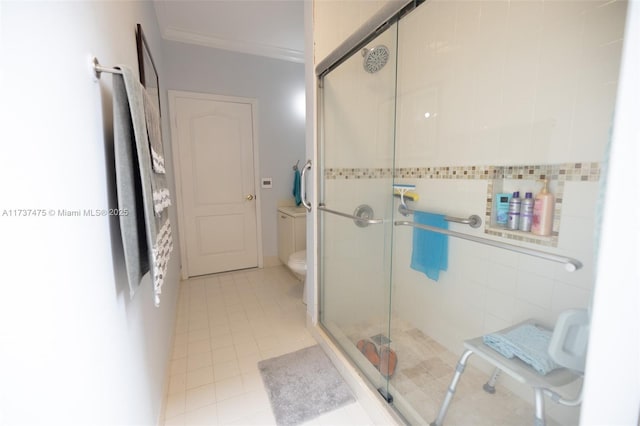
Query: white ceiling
pixel 272 28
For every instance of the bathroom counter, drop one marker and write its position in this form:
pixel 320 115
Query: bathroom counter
pixel 293 211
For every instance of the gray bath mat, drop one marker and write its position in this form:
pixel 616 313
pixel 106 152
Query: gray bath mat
pixel 302 385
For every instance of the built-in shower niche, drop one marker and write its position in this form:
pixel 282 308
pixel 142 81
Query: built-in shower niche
pixel 528 178
pixel 509 186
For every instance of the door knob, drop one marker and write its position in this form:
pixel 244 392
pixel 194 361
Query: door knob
pixel 250 197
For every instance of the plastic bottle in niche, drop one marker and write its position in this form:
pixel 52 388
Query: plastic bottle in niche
pixel 526 213
pixel 513 221
pixel 543 212
pixel 502 209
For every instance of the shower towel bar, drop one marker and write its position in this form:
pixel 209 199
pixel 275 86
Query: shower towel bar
pixel 99 69
pixel 570 264
pixel 350 216
pixel 473 221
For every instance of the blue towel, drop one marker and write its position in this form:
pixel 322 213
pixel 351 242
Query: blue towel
pixel 296 187
pixel 527 342
pixel 430 250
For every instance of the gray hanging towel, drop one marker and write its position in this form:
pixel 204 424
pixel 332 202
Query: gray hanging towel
pixel 146 236
pixel 161 194
pixel 163 246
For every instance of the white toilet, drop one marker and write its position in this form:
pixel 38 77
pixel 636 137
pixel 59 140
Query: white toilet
pixel 298 265
pixel 292 242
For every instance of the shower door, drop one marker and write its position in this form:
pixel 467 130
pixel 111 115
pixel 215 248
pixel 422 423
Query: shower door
pixel 356 158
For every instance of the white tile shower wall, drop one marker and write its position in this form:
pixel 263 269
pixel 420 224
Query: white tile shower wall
pixel 528 82
pixel 359 112
pixel 578 232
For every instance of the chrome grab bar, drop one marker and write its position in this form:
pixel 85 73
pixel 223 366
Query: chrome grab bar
pixel 303 185
pixel 570 264
pixel 350 216
pixel 473 221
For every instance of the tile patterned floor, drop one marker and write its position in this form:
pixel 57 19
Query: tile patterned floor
pixel 225 324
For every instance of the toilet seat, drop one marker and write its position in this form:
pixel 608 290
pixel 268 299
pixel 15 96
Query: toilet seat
pixel 298 262
pixel 298 265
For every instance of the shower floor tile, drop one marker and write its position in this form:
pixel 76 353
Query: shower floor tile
pixel 423 374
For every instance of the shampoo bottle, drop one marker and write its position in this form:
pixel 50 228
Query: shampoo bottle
pixel 543 212
pixel 513 219
pixel 526 213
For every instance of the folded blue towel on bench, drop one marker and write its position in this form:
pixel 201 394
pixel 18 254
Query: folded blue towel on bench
pixel 527 342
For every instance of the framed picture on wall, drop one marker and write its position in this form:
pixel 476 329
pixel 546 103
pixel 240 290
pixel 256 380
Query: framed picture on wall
pixel 149 79
pixel 147 68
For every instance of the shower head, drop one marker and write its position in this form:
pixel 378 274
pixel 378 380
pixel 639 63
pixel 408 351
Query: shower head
pixel 375 59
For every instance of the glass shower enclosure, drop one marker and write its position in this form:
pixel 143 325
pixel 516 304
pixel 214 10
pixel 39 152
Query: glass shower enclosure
pixel 356 204
pixel 467 101
pixel 356 210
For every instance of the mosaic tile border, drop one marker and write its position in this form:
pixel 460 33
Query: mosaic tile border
pixel 356 173
pixel 587 172
pixel 557 174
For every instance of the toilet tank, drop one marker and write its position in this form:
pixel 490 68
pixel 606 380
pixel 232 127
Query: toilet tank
pixel 292 231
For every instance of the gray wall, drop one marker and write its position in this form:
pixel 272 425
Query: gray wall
pixel 75 348
pixel 276 85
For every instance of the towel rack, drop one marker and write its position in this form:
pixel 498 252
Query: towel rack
pixel 361 217
pixel 99 69
pixel 570 264
pixel 473 221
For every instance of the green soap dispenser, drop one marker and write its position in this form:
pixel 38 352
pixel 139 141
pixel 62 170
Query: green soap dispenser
pixel 543 212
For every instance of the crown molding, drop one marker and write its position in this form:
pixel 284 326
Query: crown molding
pixel 251 48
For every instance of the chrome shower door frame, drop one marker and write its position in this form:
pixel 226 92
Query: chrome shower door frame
pixel 329 214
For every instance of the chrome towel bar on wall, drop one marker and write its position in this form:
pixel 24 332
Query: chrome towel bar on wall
pixel 473 221
pixel 99 69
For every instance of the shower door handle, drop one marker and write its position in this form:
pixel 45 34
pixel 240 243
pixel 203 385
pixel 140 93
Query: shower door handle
pixel 362 217
pixel 303 185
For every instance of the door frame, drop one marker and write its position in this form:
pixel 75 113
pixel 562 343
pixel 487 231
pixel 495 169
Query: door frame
pixel 175 149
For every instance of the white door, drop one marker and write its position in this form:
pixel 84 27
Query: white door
pixel 213 143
